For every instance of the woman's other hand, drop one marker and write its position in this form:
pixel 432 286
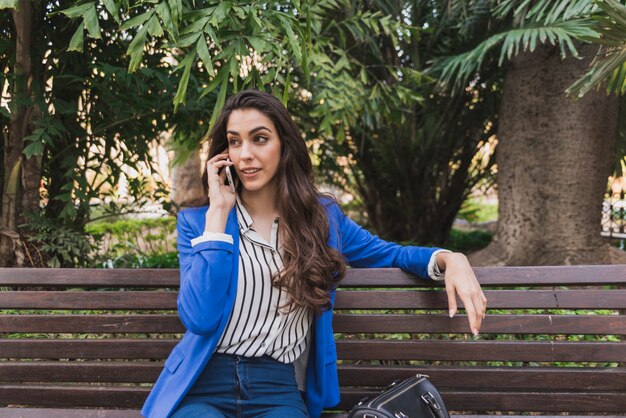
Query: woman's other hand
pixel 461 280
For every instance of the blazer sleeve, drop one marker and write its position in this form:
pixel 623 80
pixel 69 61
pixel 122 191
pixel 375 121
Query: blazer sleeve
pixel 205 272
pixel 364 249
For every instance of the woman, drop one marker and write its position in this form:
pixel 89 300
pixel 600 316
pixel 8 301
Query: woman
pixel 259 266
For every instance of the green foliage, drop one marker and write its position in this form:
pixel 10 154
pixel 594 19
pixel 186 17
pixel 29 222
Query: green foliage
pixel 523 24
pixel 270 45
pixel 474 210
pixel 62 244
pixel 135 243
pixel 467 241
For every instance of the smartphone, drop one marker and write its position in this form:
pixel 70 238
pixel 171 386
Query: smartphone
pixel 229 177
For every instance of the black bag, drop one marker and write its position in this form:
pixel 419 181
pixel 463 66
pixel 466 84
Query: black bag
pixel 415 397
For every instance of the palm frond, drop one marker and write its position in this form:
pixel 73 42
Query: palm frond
pixel 609 66
pixel 455 71
pixel 544 11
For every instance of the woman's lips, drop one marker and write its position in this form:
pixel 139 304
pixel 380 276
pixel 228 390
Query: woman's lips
pixel 250 172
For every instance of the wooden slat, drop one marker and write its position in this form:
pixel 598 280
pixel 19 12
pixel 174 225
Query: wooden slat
pixel 489 276
pixel 133 300
pixel 515 401
pixel 492 324
pixel 517 378
pixel 76 396
pixel 68 413
pixel 370 299
pixel 497 299
pixel 65 371
pixel 343 323
pixel 92 323
pixel 499 276
pixel 127 413
pixel 86 349
pixel 108 396
pixel 480 351
pixel 23 277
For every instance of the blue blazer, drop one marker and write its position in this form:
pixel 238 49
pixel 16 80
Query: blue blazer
pixel 208 284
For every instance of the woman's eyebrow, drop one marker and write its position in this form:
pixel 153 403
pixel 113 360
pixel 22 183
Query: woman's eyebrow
pixel 252 131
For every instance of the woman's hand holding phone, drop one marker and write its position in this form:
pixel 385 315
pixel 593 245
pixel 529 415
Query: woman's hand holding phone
pixel 222 196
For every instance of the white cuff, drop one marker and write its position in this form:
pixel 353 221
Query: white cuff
pixel 433 268
pixel 212 236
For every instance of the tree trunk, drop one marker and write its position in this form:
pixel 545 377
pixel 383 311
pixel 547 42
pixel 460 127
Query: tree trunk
pixel 187 187
pixel 21 177
pixel 554 156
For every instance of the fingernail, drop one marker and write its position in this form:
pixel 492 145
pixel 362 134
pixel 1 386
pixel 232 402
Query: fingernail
pixel 475 331
pixel 451 313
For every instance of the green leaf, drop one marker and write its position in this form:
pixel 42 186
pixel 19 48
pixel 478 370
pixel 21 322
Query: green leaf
pixel 187 63
pixel 111 7
pixel 220 13
pixel 135 49
pixel 34 148
pixel 176 10
pixel 187 40
pixel 91 23
pixel 291 36
pixel 205 56
pixel 171 26
pixel 9 4
pixel 137 20
pixel 77 11
pixel 154 27
pixel 76 43
pixel 219 104
pixel 257 43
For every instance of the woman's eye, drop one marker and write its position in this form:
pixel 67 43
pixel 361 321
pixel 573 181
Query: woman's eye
pixel 232 141
pixel 261 138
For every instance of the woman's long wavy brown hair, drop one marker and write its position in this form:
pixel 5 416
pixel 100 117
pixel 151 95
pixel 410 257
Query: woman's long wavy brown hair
pixel 311 267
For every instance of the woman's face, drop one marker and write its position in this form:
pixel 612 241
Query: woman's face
pixel 254 148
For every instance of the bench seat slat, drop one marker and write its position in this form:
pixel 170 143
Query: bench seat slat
pixel 87 349
pixel 127 413
pixel 131 300
pixel 448 350
pixel 133 397
pixel 67 395
pixel 493 324
pixel 83 371
pixel 515 401
pixel 68 413
pixel 155 323
pixel 498 299
pixel 516 378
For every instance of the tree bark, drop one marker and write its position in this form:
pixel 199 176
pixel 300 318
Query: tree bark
pixel 554 156
pixel 187 189
pixel 21 178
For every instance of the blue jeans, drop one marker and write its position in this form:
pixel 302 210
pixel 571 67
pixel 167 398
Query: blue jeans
pixel 241 387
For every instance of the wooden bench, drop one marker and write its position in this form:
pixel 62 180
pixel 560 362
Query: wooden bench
pixel 102 345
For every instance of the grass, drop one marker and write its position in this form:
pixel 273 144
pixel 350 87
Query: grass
pixel 479 210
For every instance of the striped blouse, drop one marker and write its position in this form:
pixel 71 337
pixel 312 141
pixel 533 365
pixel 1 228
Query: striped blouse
pixel 260 323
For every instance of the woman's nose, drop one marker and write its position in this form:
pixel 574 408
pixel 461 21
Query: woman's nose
pixel 246 152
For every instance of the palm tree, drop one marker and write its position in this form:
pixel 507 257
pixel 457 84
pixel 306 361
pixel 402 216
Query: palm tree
pixel 555 153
